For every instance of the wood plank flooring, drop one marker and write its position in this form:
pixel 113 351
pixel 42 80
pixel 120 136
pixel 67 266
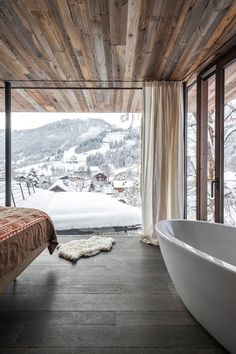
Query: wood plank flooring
pixel 120 302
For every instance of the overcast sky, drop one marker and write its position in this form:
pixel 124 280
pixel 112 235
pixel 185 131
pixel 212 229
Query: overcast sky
pixel 29 120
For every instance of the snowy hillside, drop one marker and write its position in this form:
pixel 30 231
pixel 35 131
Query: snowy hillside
pixel 35 145
pixel 70 144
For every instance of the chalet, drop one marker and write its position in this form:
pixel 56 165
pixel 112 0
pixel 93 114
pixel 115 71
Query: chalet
pixel 45 184
pixel 64 178
pixel 98 181
pixel 82 174
pixel 121 176
pixel 72 160
pixel 120 186
pixel 100 177
pixel 174 61
pixel 58 186
pixel 21 178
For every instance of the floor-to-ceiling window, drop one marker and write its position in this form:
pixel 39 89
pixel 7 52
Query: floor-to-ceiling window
pixel 230 144
pixel 211 140
pixel 191 151
pixel 81 168
pixel 2 148
pixel 215 121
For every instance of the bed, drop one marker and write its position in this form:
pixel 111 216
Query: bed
pixel 24 234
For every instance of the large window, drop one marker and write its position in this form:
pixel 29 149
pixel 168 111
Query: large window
pixel 211 173
pixel 2 149
pixel 82 169
pixel 230 144
pixel 211 140
pixel 191 160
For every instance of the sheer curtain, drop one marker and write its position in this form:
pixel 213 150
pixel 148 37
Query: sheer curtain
pixel 162 176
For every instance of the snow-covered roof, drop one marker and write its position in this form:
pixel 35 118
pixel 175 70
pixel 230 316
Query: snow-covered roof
pixel 59 184
pixel 100 175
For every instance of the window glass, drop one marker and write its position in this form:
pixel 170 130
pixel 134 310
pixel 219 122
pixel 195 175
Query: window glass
pixel 211 150
pixel 191 152
pixel 230 145
pixel 2 148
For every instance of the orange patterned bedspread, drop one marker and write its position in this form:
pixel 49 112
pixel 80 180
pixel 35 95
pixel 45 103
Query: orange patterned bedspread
pixel 22 231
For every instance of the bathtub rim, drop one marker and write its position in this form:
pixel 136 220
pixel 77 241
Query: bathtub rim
pixel 162 230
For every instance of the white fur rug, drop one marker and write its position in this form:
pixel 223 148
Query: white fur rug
pixel 76 249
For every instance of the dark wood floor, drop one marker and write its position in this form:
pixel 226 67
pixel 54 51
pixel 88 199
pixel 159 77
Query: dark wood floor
pixel 120 302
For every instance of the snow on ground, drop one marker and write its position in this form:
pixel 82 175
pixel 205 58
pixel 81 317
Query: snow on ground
pixel 114 136
pixel 229 176
pixel 93 132
pixel 76 210
pixel 81 158
pixel 69 153
pixel 81 161
pixel 66 167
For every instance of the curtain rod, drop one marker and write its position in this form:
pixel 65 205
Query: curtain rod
pixel 72 88
pixel 99 81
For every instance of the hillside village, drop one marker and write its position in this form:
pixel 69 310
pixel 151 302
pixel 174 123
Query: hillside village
pixel 78 156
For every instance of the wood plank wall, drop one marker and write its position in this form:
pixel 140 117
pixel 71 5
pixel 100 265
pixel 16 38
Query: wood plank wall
pixel 97 42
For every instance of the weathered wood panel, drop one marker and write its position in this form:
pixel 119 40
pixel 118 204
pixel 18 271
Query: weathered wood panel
pixel 36 100
pixel 107 43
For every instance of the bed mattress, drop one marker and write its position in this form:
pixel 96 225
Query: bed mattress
pixel 23 230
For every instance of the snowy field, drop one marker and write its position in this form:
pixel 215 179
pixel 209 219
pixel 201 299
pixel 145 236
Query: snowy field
pixel 78 210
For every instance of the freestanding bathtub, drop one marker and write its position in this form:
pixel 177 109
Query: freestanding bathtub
pixel 201 260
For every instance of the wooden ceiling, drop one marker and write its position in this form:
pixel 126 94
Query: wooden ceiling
pixel 106 44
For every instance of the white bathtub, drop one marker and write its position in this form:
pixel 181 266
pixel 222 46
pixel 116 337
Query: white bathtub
pixel 201 260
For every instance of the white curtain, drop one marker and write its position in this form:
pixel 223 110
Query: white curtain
pixel 162 176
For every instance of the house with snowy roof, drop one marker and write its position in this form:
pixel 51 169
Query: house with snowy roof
pixel 59 186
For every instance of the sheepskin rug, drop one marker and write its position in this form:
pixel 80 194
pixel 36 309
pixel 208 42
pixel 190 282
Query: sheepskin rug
pixel 76 249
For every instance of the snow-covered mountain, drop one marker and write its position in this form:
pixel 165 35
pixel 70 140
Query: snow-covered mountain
pixel 91 142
